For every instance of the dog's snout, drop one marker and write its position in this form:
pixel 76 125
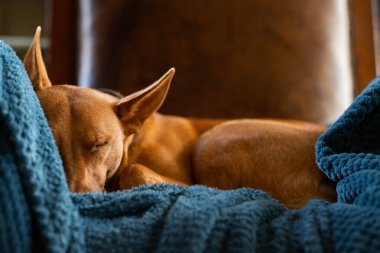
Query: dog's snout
pixel 83 187
pixel 83 182
pixel 80 177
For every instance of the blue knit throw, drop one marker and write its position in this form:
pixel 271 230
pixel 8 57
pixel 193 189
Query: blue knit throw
pixel 39 214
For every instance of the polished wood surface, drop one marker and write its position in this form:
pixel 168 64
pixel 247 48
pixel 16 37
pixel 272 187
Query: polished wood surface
pixel 375 6
pixel 362 43
pixel 61 28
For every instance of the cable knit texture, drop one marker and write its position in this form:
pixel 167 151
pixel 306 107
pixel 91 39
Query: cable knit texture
pixel 38 213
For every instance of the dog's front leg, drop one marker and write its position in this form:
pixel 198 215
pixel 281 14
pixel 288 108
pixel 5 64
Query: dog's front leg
pixel 138 174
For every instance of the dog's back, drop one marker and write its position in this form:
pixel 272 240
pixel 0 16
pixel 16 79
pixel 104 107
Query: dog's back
pixel 274 156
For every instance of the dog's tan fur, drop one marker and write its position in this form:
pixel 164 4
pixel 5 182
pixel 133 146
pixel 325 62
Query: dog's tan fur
pixel 111 143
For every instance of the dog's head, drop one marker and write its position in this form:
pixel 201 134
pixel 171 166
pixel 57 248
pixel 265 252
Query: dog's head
pixel 92 129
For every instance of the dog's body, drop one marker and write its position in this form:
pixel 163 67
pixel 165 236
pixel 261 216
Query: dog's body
pixel 112 143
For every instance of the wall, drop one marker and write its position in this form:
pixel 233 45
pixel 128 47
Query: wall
pixel 18 22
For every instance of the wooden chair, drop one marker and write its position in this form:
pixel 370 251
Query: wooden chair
pixel 261 58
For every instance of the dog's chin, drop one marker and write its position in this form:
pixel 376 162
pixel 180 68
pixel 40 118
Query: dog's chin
pixel 83 187
pixel 89 189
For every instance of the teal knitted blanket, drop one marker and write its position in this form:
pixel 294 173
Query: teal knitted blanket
pixel 39 214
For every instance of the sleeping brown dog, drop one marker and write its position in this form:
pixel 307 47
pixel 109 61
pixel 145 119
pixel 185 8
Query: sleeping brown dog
pixel 111 143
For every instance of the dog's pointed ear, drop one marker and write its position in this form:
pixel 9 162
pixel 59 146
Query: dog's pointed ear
pixel 34 64
pixel 137 107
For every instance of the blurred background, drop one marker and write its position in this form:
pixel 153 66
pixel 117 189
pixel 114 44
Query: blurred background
pixel 298 59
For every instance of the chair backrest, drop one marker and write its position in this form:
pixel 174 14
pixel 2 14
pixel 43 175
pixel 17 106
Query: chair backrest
pixel 259 58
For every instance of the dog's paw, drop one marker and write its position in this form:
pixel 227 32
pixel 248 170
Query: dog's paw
pixel 137 174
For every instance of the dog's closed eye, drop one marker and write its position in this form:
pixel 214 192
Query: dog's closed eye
pixel 98 145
